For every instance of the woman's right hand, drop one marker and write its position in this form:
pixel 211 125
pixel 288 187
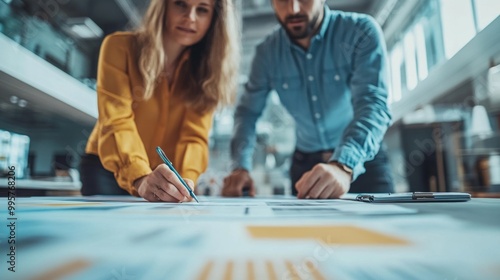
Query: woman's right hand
pixel 163 185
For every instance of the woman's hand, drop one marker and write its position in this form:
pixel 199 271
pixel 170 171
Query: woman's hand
pixel 163 185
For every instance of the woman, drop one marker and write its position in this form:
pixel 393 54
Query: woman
pixel 159 86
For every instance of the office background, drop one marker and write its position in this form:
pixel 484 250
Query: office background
pixel 444 58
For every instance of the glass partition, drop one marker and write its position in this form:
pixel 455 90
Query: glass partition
pixel 35 33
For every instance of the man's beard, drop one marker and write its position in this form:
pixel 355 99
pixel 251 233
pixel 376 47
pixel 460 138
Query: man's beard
pixel 300 32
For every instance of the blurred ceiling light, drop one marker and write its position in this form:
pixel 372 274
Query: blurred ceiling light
pixel 83 28
pixel 480 125
pixel 494 83
pixel 7 1
pixel 14 99
pixel 22 103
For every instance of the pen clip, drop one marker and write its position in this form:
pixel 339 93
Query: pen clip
pixel 422 195
pixel 364 197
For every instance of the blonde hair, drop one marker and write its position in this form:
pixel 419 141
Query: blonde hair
pixel 209 77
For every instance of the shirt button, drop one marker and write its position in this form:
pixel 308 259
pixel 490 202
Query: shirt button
pixel 311 78
pixel 309 56
pixel 285 86
pixel 314 98
pixel 317 115
pixel 337 77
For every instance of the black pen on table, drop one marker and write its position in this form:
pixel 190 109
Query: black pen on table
pixel 171 166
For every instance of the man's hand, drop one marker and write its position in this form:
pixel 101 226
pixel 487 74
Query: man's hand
pixel 163 185
pixel 323 181
pixel 235 182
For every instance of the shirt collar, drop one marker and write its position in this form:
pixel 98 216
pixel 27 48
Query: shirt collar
pixel 326 21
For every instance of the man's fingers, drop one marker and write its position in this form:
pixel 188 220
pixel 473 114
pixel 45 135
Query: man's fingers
pixel 300 184
pixel 226 189
pixel 320 185
pixel 233 186
pixel 252 189
pixel 337 193
pixel 321 182
pixel 327 192
pixel 232 191
pixel 238 185
pixel 306 182
pixel 229 192
pixel 236 182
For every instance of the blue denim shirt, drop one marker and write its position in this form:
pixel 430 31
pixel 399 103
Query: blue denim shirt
pixel 336 90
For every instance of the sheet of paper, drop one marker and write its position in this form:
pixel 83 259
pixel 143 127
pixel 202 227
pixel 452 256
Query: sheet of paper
pixel 248 238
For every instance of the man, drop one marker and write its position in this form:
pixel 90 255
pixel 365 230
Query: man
pixel 329 69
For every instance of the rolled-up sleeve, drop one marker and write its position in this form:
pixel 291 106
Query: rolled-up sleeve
pixel 250 106
pixel 361 140
pixel 120 147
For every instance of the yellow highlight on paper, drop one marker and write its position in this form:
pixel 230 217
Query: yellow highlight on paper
pixel 346 235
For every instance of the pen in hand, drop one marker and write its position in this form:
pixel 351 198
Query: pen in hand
pixel 171 166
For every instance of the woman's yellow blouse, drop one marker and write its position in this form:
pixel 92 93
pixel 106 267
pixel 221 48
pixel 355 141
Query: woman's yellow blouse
pixel 129 128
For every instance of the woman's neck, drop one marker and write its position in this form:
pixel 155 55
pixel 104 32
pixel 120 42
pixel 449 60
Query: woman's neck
pixel 173 52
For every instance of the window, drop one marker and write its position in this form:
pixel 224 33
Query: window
pixel 410 60
pixel 486 12
pixel 431 23
pixel 396 58
pixel 437 32
pixel 458 25
pixel 421 50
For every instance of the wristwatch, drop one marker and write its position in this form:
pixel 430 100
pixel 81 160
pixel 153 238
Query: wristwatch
pixel 342 166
